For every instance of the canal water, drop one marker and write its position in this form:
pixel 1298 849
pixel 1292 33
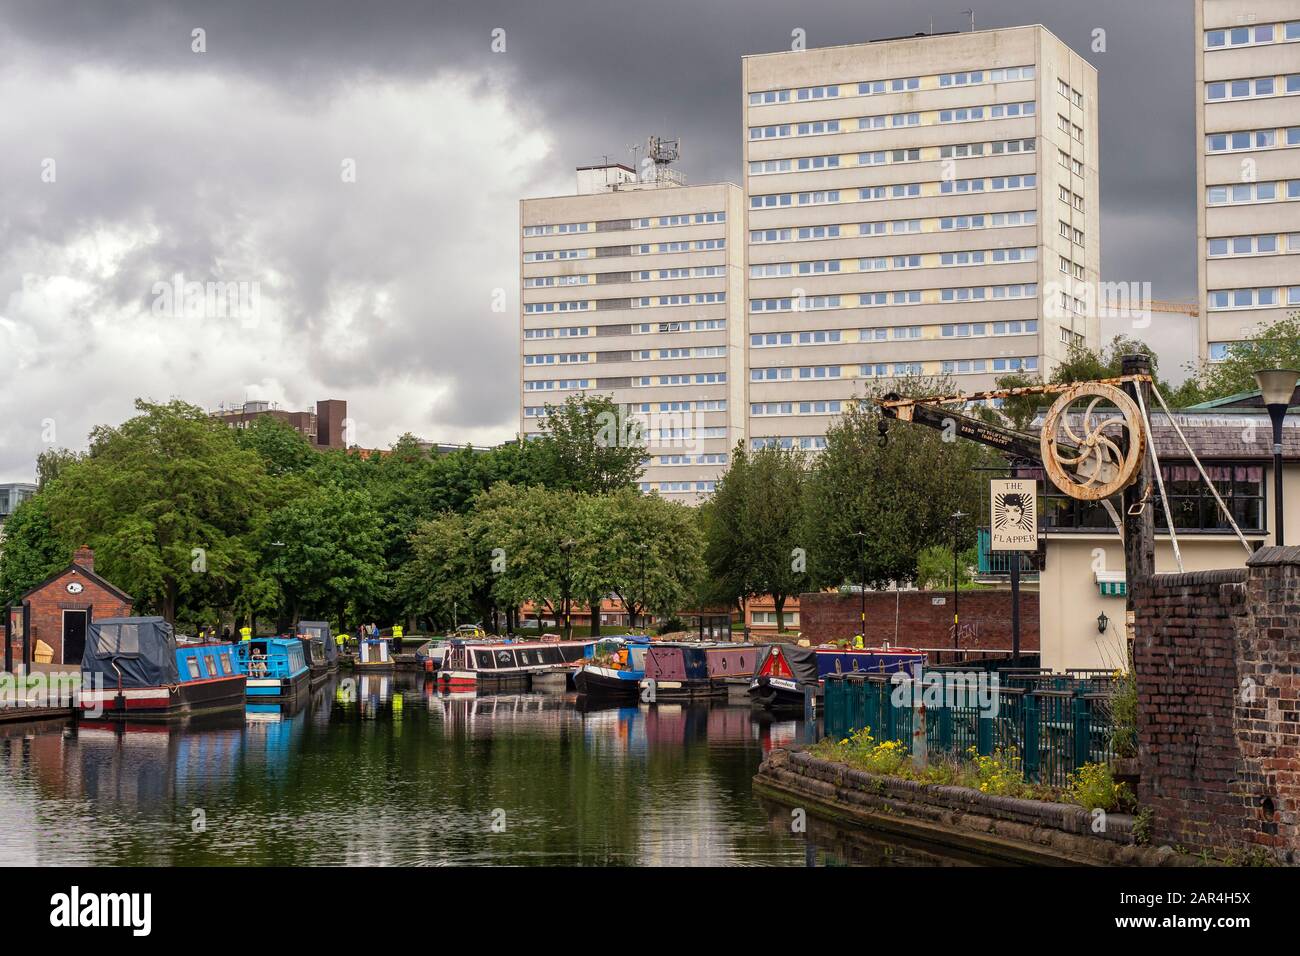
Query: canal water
pixel 384 770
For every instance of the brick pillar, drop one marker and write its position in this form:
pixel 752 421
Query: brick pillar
pixel 84 557
pixel 1217 659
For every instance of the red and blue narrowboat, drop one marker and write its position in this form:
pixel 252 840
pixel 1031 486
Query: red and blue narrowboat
pixel 785 670
pixel 133 668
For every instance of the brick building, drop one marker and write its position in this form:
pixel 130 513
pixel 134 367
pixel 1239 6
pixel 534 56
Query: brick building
pixel 324 428
pixel 56 613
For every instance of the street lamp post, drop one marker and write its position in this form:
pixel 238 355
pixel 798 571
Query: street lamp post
pixel 862 584
pixel 956 620
pixel 1276 387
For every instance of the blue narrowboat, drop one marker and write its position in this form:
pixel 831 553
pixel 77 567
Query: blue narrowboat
pixel 615 669
pixel 785 670
pixel 134 668
pixel 275 667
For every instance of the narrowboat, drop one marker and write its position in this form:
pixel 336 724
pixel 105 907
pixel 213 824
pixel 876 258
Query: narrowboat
pixel 786 669
pixel 320 650
pixel 430 655
pixel 373 655
pixel 679 672
pixel 614 669
pixel 482 665
pixel 133 668
pixel 276 667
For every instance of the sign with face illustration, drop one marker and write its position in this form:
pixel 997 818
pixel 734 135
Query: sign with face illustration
pixel 1013 510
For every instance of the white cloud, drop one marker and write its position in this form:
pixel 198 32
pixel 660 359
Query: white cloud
pixel 377 291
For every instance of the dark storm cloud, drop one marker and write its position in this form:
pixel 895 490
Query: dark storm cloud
pixel 592 77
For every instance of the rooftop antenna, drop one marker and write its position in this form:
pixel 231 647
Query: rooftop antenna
pixel 972 18
pixel 663 152
pixel 634 149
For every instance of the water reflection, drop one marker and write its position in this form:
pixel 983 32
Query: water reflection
pixel 385 769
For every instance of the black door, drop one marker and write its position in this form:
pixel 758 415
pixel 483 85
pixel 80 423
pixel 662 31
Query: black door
pixel 74 636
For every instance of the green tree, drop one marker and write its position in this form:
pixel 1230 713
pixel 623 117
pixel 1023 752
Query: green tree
pixel 732 573
pixel 934 568
pixel 281 447
pixel 756 529
pixel 901 494
pixel 1277 346
pixel 32 550
pixel 644 549
pixel 448 578
pixel 589 444
pixel 324 552
pixel 167 500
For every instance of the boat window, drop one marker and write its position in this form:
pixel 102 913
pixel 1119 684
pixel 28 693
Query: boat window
pixel 571 652
pixel 193 664
pixel 505 658
pixel 484 660
pixel 225 665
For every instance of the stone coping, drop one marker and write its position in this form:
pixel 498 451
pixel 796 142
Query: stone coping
pixel 1012 828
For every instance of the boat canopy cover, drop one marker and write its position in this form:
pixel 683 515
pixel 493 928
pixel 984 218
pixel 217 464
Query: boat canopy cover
pixel 143 648
pixel 320 631
pixel 802 661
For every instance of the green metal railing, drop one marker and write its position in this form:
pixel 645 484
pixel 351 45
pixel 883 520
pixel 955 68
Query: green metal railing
pixel 1053 729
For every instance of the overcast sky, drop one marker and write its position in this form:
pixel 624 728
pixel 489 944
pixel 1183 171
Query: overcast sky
pixel 130 159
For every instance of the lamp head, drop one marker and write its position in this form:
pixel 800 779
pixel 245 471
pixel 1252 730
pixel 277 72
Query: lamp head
pixel 1277 385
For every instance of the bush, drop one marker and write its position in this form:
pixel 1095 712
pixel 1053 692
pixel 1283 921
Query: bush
pixel 1123 716
pixel 1094 788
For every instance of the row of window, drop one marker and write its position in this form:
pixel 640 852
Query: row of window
pixel 1250 89
pixel 1262 245
pixel 678 487
pixel 642 249
pixel 650 222
pixel 974 257
pixel 897 333
pixel 884 157
pixel 904 84
pixel 699 325
pixel 761 409
pixel 966 114
pixel 805 373
pixel 895 191
pixel 662 355
pixel 1073 130
pixel 802 442
pixel 1027 290
pixel 1253 35
pixel 715 458
pixel 1242 193
pixel 700 378
pixel 897 227
pixel 685 298
pixel 1263 298
pixel 1251 139
pixel 558 358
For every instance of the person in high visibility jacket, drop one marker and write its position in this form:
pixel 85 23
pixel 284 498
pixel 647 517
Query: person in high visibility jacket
pixel 245 633
pixel 397 638
pixel 857 641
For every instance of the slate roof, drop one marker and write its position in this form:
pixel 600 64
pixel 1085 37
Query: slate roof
pixel 1221 433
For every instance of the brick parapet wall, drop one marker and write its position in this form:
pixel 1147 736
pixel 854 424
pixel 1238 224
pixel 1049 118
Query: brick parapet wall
pixel 826 617
pixel 1217 659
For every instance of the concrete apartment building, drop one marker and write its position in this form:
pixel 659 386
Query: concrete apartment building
pixel 923 205
pixel 1247 167
pixel 633 288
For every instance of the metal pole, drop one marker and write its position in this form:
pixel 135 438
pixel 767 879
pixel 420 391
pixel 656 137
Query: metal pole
pixel 1278 414
pixel 1015 609
pixel 1139 516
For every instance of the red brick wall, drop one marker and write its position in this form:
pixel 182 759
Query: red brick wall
pixel 1217 659
pixel 920 622
pixel 47 606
